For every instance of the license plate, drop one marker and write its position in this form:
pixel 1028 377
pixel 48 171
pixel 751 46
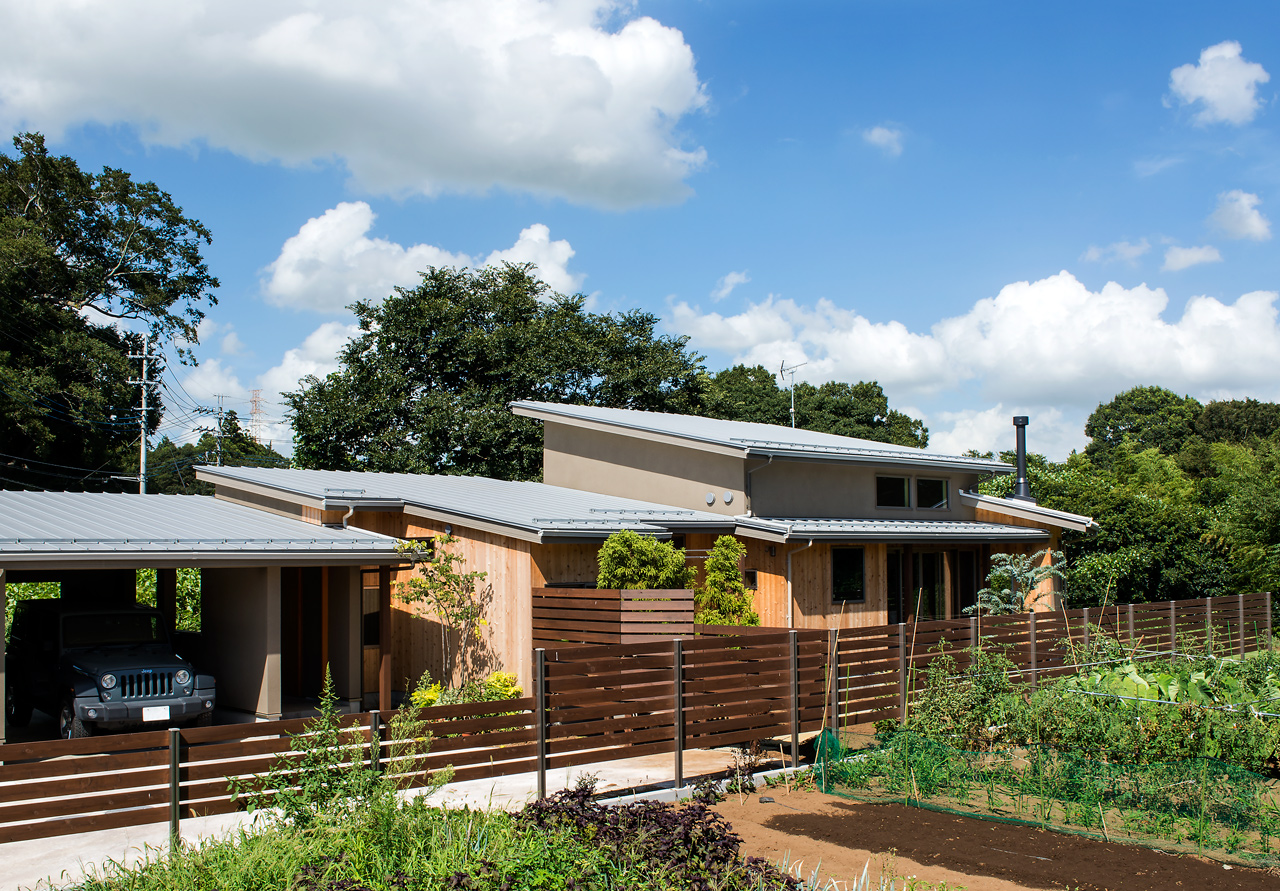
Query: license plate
pixel 155 713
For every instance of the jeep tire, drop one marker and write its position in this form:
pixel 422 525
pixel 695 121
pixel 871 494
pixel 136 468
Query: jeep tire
pixel 69 724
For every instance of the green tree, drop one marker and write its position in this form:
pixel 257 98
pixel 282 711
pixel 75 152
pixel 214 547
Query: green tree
pixel 171 467
pixel 78 250
pixel 859 410
pixel 631 561
pixel 1148 417
pixel 1011 579
pixel 457 598
pixel 724 599
pixel 425 386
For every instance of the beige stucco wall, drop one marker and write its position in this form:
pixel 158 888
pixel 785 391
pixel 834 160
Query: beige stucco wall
pixel 240 610
pixel 630 467
pixel 345 652
pixel 811 489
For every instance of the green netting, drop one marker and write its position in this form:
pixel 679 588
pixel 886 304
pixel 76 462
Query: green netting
pixel 1197 805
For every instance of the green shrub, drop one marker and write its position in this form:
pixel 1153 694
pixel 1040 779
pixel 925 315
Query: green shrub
pixel 629 560
pixel 496 687
pixel 724 599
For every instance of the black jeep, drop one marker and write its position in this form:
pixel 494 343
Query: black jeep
pixel 99 669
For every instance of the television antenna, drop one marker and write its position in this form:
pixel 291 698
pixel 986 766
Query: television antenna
pixel 791 370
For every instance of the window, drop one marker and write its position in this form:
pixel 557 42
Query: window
pixel 848 575
pixel 751 578
pixel 931 494
pixel 892 491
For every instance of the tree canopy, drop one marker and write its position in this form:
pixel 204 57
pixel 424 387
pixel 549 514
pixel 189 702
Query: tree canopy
pixel 78 252
pixel 171 467
pixel 1147 417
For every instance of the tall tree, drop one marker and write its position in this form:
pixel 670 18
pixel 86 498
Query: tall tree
pixel 77 251
pixel 425 386
pixel 171 467
pixel 1146 417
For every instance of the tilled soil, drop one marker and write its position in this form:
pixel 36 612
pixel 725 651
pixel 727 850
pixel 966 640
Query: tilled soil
pixel 961 851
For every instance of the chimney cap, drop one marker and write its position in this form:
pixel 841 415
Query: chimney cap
pixel 1020 420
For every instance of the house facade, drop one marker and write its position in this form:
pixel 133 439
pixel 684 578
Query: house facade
pixel 839 532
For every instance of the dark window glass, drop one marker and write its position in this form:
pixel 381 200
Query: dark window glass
pixel 931 493
pixel 111 629
pixel 848 575
pixel 751 578
pixel 891 491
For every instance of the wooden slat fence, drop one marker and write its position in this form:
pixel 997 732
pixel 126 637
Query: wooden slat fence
pixel 609 616
pixel 596 703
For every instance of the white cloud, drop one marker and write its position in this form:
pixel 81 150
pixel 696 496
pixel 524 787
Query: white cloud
pixel 317 355
pixel 1223 83
pixel 1178 258
pixel 1237 215
pixel 1051 432
pixel 1151 166
pixel 546 96
pixel 887 139
pixel 726 284
pixel 1122 251
pixel 1051 342
pixel 232 345
pixel 332 262
pixel 211 379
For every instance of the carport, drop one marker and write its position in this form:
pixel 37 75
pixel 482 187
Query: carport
pixel 275 590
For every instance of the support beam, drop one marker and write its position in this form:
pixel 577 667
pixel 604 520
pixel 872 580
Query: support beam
pixel 240 620
pixel 384 639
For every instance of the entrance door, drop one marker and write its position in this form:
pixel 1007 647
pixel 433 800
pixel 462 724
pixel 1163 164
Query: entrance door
pixel 302 631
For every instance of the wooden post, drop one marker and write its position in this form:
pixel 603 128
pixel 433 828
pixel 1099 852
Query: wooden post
pixel 973 632
pixel 1240 598
pixel 324 617
pixel 1031 636
pixel 175 789
pixel 384 638
pixel 902 671
pixel 1131 626
pixel 540 713
pixel 1208 625
pixel 1173 627
pixel 833 669
pixel 1086 632
pixel 375 740
pixel 1268 621
pixel 795 699
pixel 677 661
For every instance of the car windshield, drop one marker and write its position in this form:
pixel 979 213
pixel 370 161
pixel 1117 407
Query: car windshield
pixel 111 629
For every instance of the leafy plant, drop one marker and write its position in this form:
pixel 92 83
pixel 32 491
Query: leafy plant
pixel 454 596
pixel 1012 579
pixel 724 598
pixel 496 687
pixel 631 561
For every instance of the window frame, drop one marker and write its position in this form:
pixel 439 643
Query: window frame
pixel 906 487
pixel 862 587
pixel 946 492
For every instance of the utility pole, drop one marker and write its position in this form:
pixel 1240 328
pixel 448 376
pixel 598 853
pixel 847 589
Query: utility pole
pixel 255 415
pixel 145 383
pixel 782 373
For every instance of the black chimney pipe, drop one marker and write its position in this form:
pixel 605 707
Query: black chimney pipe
pixel 1022 488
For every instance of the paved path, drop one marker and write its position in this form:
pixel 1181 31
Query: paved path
pixel 61 861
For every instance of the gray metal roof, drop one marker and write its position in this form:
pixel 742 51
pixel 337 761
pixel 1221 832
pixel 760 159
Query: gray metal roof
pixel 540 511
pixel 91 529
pixel 1028 510
pixel 751 438
pixel 803 529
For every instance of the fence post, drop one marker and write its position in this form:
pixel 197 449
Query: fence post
pixel 1240 596
pixel 1208 626
pixel 1031 634
pixel 540 710
pixel 1131 626
pixel 1173 627
pixel 902 672
pixel 795 699
pixel 1086 632
pixel 677 653
pixel 175 789
pixel 833 667
pixel 973 632
pixel 375 739
pixel 1255 633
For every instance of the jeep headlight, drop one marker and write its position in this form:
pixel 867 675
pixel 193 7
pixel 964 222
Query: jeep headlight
pixel 108 681
pixel 182 676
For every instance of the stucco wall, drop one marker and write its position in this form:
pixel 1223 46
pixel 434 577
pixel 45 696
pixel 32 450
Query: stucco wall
pixel 240 611
pixel 811 489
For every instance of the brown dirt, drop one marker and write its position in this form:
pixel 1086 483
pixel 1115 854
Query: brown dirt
pixel 963 852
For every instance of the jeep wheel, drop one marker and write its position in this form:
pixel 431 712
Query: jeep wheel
pixel 17 709
pixel 69 724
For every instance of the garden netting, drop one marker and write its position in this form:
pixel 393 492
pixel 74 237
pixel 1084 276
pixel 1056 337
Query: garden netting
pixel 1196 805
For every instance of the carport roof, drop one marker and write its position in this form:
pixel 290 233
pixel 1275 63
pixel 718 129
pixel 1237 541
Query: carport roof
pixel 49 530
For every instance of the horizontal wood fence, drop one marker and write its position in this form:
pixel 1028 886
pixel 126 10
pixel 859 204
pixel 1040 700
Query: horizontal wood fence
pixel 609 616
pixel 597 703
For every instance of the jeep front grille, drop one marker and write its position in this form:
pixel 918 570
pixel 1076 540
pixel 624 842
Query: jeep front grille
pixel 146 685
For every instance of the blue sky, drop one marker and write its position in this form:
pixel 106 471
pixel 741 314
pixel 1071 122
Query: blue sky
pixel 991 208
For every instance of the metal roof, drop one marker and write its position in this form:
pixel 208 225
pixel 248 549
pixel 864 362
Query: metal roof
pixel 93 529
pixel 1028 510
pixel 748 438
pixel 804 529
pixel 539 511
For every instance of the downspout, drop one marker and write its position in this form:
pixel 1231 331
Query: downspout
pixel 746 484
pixel 351 509
pixel 790 598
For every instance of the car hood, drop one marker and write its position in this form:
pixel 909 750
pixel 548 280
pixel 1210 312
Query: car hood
pixel 98 660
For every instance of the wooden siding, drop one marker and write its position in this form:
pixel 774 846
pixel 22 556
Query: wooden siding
pixel 609 616
pixel 1045 596
pixel 564 564
pixel 811 586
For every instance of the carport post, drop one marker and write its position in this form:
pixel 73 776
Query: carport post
pixel 384 638
pixel 175 789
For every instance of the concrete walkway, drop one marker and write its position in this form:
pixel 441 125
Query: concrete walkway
pixel 65 860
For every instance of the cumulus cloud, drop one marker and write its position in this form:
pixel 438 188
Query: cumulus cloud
pixel 1237 215
pixel 572 98
pixel 1122 251
pixel 726 284
pixel 1223 86
pixel 1051 432
pixel 232 345
pixel 1051 342
pixel 317 355
pixel 332 262
pixel 887 139
pixel 1178 258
